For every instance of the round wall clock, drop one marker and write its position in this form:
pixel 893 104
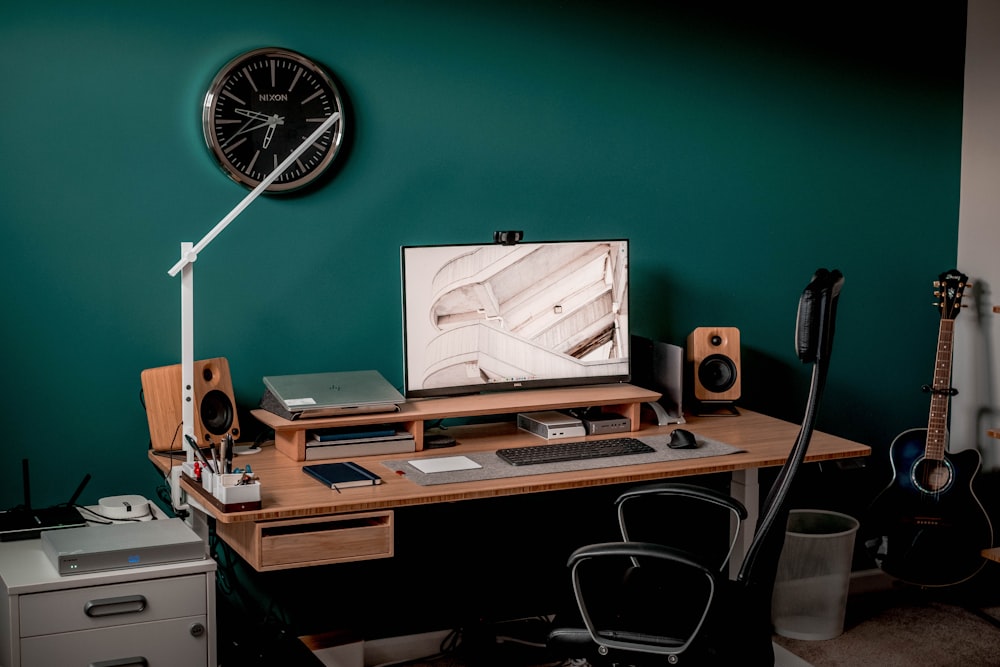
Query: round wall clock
pixel 261 106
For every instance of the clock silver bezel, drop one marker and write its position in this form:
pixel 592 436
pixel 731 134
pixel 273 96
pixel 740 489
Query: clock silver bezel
pixel 208 112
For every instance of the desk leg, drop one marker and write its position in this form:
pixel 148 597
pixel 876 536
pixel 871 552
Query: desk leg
pixel 744 488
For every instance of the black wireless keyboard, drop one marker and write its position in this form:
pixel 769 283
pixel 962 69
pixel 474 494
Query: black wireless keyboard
pixel 572 451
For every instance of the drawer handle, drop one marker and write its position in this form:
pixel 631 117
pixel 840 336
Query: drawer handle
pixel 128 604
pixel 122 662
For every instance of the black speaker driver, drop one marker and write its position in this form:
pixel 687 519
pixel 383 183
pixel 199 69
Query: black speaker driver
pixel 717 373
pixel 217 412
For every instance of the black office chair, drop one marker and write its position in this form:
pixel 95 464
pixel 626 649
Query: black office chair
pixel 646 603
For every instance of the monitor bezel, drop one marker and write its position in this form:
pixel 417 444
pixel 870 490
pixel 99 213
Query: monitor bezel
pixel 512 385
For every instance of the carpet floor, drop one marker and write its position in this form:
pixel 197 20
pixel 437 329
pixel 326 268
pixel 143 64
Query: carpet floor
pixel 908 628
pixel 902 627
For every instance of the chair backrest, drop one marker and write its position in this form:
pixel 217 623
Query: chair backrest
pixel 814 331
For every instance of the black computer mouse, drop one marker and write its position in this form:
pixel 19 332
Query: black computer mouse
pixel 682 439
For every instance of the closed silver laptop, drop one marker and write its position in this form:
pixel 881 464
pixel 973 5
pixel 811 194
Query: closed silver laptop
pixel 329 394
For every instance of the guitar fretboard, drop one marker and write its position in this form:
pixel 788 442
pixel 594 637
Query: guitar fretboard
pixel 937 423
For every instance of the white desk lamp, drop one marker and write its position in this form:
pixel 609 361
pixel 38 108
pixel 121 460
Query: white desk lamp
pixel 185 265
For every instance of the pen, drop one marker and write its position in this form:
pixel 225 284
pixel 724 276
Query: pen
pixel 198 452
pixel 228 457
pixel 222 455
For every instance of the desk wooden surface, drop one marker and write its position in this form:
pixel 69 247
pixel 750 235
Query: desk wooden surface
pixel 287 492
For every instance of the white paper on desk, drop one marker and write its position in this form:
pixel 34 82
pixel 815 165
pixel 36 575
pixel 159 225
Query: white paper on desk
pixel 444 464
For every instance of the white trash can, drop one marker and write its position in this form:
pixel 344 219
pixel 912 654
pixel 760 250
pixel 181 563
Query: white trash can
pixel 814 574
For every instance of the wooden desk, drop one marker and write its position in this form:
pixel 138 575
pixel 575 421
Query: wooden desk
pixel 302 523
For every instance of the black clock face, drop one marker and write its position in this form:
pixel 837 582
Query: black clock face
pixel 261 107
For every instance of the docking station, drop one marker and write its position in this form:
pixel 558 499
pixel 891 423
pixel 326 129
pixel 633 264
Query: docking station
pixel 551 424
pixel 606 422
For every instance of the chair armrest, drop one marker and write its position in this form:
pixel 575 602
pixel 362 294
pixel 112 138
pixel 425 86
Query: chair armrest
pixel 635 497
pixel 685 490
pixel 657 638
pixel 642 550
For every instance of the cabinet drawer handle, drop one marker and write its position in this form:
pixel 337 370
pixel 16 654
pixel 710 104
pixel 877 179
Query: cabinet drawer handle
pixel 122 662
pixel 128 604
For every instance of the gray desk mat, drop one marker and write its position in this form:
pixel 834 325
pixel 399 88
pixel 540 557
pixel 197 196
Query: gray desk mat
pixel 493 467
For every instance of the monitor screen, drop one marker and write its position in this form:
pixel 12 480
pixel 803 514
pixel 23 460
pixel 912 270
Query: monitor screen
pixel 493 317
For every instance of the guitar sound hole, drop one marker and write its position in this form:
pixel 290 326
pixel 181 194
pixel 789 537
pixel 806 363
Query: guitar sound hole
pixel 932 476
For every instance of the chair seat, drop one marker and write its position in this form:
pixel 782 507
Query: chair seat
pixel 576 642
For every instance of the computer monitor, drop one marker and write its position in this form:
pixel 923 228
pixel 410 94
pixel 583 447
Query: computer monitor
pixel 493 317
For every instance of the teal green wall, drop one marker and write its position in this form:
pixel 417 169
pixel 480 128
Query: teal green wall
pixel 738 151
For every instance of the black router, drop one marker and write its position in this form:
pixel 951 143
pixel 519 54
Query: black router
pixel 26 523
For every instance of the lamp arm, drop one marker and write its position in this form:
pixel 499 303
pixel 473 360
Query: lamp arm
pixel 192 254
pixel 185 266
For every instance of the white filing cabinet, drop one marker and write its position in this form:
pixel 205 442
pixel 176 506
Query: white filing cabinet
pixel 153 616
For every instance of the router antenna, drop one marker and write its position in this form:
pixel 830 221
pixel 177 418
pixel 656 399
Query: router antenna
pixel 26 477
pixel 76 494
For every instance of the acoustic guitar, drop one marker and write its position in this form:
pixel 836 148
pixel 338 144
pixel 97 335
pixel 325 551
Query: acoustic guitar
pixel 927 527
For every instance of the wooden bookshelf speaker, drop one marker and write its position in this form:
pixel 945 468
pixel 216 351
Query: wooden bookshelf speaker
pixel 713 356
pixel 214 411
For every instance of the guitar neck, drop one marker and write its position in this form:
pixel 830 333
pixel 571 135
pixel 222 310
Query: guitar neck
pixel 937 423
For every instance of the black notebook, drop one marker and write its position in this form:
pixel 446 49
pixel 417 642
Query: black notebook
pixel 342 474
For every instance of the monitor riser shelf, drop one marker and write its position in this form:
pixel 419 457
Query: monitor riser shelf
pixel 290 435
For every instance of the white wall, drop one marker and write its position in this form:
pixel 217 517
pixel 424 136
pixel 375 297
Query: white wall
pixel 977 329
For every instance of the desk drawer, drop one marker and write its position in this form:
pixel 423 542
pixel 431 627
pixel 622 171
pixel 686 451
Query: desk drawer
pixel 176 641
pixel 321 540
pixel 113 604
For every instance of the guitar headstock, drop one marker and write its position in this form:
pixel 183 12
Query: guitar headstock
pixel 949 288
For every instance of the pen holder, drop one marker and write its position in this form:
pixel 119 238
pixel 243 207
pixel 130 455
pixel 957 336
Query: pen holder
pixel 225 490
pixel 228 490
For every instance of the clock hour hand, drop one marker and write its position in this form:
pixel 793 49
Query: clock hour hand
pixel 247 127
pixel 272 120
pixel 256 115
